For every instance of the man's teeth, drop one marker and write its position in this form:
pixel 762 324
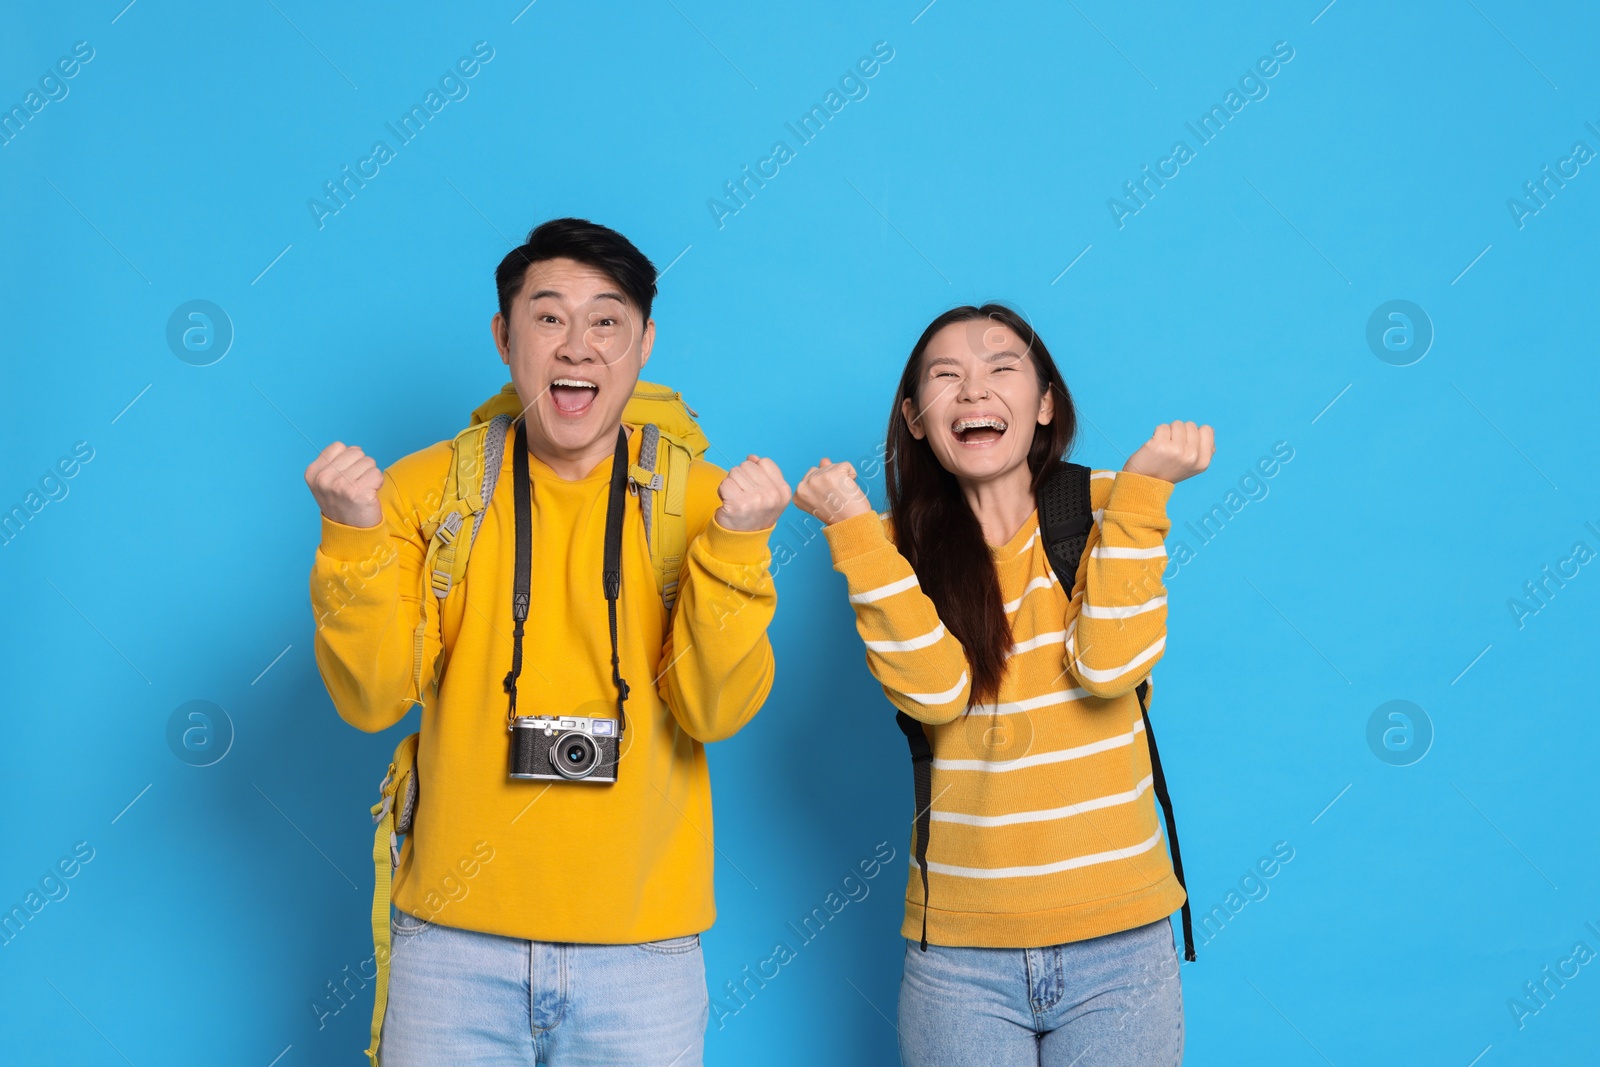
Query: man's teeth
pixel 575 383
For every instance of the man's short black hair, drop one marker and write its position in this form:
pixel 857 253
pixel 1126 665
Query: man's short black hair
pixel 588 243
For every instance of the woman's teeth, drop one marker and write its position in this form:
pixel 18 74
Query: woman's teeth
pixel 980 430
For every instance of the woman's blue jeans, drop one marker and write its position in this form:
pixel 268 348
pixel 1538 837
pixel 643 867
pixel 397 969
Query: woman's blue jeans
pixel 1112 1001
pixel 458 996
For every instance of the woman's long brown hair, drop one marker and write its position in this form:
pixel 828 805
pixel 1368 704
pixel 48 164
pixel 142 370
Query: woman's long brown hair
pixel 935 528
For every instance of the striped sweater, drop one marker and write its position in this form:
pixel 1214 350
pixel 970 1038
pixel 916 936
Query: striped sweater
pixel 1044 828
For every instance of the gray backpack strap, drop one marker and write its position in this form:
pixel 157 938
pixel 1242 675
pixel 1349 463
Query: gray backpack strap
pixel 646 490
pixel 405 809
pixel 494 450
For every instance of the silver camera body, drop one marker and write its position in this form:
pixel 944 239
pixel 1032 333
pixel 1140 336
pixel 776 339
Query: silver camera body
pixel 563 748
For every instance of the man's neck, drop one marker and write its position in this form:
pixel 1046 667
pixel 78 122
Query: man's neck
pixel 572 467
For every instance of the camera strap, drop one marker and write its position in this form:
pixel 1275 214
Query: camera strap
pixel 611 567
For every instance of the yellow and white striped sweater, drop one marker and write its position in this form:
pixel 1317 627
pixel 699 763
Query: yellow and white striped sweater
pixel 1044 825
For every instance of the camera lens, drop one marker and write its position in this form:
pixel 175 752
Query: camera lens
pixel 575 755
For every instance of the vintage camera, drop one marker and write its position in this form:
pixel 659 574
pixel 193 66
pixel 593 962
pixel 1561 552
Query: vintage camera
pixel 569 748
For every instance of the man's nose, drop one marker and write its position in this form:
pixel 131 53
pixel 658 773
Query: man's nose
pixel 575 344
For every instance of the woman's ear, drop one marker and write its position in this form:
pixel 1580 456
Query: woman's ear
pixel 908 411
pixel 1047 406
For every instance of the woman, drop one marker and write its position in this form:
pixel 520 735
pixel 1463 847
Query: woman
pixel 1048 884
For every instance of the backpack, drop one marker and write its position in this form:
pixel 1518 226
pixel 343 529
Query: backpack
pixel 672 440
pixel 1065 519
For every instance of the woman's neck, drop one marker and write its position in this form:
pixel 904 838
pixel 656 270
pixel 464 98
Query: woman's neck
pixel 1002 504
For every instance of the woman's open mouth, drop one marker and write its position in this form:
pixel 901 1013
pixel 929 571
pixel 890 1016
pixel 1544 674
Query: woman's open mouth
pixel 978 431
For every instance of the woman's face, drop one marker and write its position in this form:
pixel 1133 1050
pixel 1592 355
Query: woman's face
pixel 978 400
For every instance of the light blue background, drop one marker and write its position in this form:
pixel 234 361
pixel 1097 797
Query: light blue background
pixel 1378 568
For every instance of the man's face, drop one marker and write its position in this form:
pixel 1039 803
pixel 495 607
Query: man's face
pixel 978 400
pixel 575 347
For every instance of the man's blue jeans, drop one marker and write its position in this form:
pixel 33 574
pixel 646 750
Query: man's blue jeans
pixel 1112 1001
pixel 458 996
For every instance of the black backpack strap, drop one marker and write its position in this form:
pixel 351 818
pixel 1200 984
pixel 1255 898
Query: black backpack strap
pixel 922 781
pixel 1066 515
pixel 1159 779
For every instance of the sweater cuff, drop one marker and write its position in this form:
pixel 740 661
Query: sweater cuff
pixel 855 536
pixel 351 544
pixel 744 547
pixel 1140 494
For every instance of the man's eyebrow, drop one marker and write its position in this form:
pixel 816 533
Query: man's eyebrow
pixel 607 295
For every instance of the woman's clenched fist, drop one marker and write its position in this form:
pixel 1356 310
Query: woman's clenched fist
pixel 1176 451
pixel 830 493
pixel 345 482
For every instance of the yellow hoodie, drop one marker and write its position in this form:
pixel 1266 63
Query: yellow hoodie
pixel 566 861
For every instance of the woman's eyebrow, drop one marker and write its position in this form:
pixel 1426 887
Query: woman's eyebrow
pixel 992 357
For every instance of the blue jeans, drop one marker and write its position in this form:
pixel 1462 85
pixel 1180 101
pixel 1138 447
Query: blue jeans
pixel 459 996
pixel 1112 1001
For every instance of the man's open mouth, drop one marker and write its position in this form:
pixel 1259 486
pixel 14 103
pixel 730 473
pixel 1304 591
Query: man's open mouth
pixel 979 430
pixel 573 396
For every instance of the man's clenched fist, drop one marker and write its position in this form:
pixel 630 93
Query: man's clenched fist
pixel 753 495
pixel 1176 451
pixel 830 493
pixel 345 482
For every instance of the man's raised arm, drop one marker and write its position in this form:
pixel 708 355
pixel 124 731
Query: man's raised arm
pixel 366 593
pixel 717 660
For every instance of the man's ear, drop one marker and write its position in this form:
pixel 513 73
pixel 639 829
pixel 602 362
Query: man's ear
pixel 908 411
pixel 502 337
pixel 647 341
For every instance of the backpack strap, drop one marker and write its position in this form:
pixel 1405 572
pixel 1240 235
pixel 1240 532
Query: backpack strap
pixel 396 805
pixel 1160 780
pixel 475 457
pixel 666 420
pixel 643 480
pixel 674 528
pixel 1066 515
pixel 661 481
pixel 922 783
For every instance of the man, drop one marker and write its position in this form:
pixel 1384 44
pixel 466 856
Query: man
pixel 552 922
